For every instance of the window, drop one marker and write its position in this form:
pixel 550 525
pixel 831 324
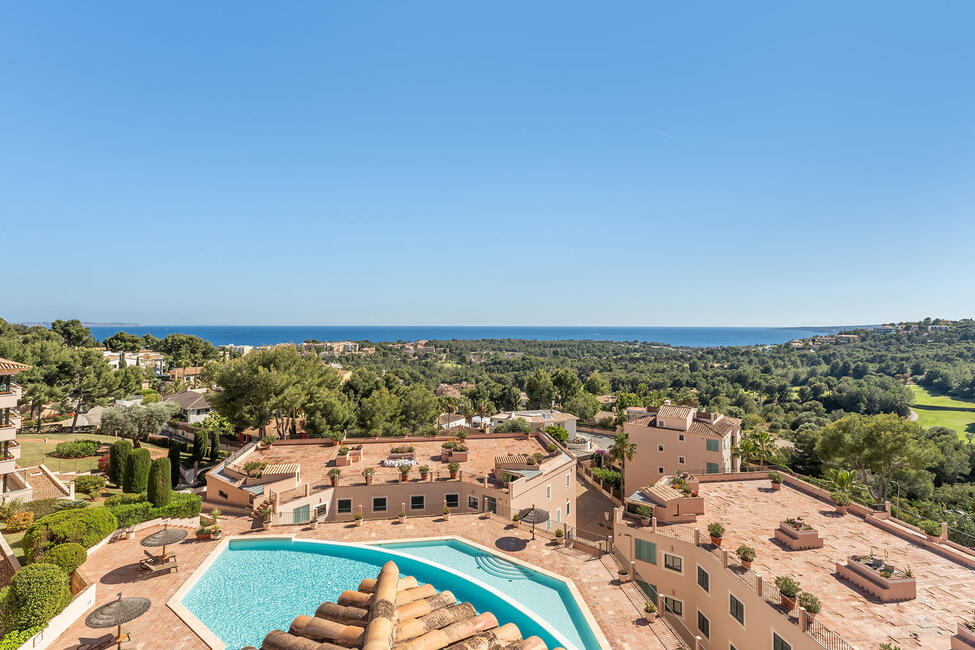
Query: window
pixel 418 502
pixel 644 550
pixel 704 625
pixel 703 579
pixel 566 508
pixel 558 515
pixel 472 503
pixel 778 643
pixel 680 460
pixel 343 506
pixel 736 609
pixel 222 494
pixel 674 606
pixel 660 470
pixel 680 436
pixel 731 646
pixel 548 492
pixel 660 448
pixel 673 563
pixel 712 468
pixel 379 504
pixel 712 444
pixel 567 479
pixel 452 500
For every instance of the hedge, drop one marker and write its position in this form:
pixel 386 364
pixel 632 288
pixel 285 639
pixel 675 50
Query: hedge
pixel 86 526
pixel 76 448
pixel 124 498
pixel 68 556
pixel 13 640
pixel 35 594
pixel 132 513
pixel 116 460
pixel 135 478
pixel 160 489
pixel 89 484
pixel 183 506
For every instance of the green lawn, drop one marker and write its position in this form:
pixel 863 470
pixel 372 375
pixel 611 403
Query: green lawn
pixel 35 451
pixel 16 541
pixel 943 411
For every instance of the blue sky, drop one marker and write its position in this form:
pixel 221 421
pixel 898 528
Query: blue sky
pixel 487 163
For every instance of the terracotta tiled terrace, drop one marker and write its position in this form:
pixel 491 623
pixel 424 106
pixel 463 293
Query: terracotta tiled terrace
pixel 115 569
pixel 317 460
pixel 750 511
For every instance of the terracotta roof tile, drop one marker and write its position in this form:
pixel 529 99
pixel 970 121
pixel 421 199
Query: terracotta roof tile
pixel 8 367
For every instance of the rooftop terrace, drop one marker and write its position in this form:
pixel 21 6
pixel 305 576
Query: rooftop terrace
pixel 750 511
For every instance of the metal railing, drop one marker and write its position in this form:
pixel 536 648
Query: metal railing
pixel 826 637
pixel 676 624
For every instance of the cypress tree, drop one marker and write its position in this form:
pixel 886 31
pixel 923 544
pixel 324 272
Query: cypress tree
pixel 174 461
pixel 214 445
pixel 199 445
pixel 160 488
pixel 116 460
pixel 136 476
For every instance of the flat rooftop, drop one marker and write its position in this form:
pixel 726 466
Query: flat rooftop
pixel 317 460
pixel 750 512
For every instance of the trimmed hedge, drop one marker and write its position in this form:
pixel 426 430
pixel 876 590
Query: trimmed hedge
pixel 13 640
pixel 35 594
pixel 68 556
pixel 183 506
pixel 76 448
pixel 135 478
pixel 123 499
pixel 160 489
pixel 132 513
pixel 116 460
pixel 86 526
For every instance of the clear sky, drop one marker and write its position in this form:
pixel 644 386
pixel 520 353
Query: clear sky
pixel 644 163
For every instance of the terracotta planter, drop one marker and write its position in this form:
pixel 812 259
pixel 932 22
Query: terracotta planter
pixel 747 565
pixel 368 480
pixel 644 521
pixel 335 481
pixel 423 477
pixel 203 537
pixel 453 475
pixel 716 541
pixel 776 486
pixel 788 603
pixel 649 618
pixel 841 509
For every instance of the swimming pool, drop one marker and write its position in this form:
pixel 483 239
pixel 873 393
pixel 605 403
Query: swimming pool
pixel 259 584
pixel 544 595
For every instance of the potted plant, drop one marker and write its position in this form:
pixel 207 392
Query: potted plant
pixel 215 533
pixel 776 479
pixel 334 475
pixel 931 529
pixel 454 468
pixel 404 472
pixel 746 554
pixel 645 513
pixel 809 603
pixel 515 517
pixel 624 575
pixel 313 522
pixel 788 591
pixel 446 513
pixel 402 516
pixel 424 472
pixel 343 450
pixel 716 532
pixel 367 474
pixel 266 512
pixel 202 533
pixel 841 500
pixel 559 535
pixel 357 518
pixel 268 440
pixel 649 612
pixel 215 528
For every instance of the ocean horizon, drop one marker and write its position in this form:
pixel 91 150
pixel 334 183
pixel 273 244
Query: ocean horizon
pixel 675 336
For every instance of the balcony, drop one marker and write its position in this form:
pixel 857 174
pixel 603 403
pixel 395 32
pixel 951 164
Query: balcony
pixel 9 398
pixel 9 431
pixel 8 464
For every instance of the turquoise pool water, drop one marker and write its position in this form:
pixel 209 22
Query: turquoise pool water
pixel 256 585
pixel 547 597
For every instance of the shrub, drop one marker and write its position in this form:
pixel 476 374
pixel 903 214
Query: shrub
pixel 788 586
pixel 19 521
pixel 609 476
pixel 559 533
pixel 558 433
pixel 745 553
pixel 86 526
pixel 123 499
pixel 136 475
pixel 644 512
pixel 840 498
pixel 716 530
pixel 930 528
pixel 369 471
pixel 357 516
pixel 117 454
pixel 160 489
pixel 268 440
pixel 514 425
pixel 809 602
pixel 68 556
pixel 90 484
pixel 45 507
pixel 76 448
pixel 103 463
pixel 13 640
pixel 130 514
pixel 775 477
pixel 404 470
pixel 183 506
pixel 649 608
pixel 343 451
pixel 35 594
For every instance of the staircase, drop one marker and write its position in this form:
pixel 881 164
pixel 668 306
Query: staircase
pixel 499 568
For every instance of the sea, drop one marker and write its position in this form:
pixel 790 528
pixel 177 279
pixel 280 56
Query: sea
pixel 676 336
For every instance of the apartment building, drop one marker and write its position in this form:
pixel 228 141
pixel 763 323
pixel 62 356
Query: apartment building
pixel 538 419
pixel 154 361
pixel 877 579
pixel 11 484
pixel 679 439
pixel 500 473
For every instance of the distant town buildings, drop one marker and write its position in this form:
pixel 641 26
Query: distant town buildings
pixel 537 420
pixel 154 361
pixel 190 374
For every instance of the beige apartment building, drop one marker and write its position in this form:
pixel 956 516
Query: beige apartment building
pixel 500 473
pixel 878 579
pixel 679 439
pixel 13 485
pixel 538 419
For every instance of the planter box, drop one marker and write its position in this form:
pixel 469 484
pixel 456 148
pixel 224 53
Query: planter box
pixel 964 639
pixel 798 540
pixel 886 590
pixel 451 456
pixel 401 455
pixel 579 446
pixel 343 461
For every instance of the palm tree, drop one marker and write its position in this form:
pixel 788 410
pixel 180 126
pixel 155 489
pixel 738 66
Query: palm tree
pixel 622 451
pixel 765 445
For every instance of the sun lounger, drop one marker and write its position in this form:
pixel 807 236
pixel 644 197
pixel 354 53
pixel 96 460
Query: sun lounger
pixel 149 570
pixel 102 642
